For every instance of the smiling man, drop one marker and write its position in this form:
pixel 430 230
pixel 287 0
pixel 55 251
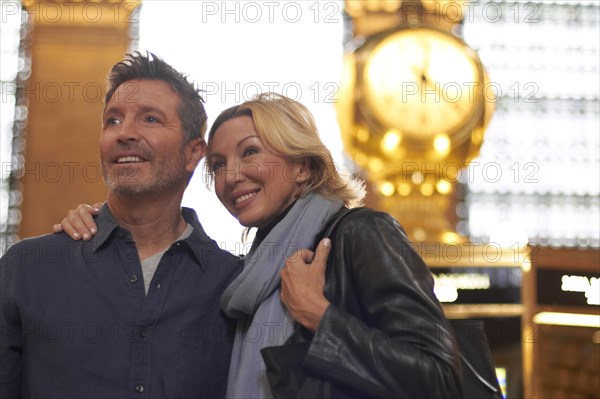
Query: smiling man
pixel 133 312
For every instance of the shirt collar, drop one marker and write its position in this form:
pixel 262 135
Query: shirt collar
pixel 106 226
pixel 199 243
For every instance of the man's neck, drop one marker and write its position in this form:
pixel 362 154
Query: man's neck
pixel 154 223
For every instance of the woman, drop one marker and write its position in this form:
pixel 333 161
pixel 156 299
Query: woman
pixel 378 328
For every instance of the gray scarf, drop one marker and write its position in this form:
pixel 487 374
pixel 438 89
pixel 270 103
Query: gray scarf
pixel 253 297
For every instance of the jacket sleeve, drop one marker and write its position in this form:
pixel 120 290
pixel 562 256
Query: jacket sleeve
pixel 10 329
pixel 390 338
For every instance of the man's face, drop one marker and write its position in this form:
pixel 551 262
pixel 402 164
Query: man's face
pixel 142 145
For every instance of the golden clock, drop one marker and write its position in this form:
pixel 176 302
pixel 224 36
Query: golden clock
pixel 413 106
pixel 421 82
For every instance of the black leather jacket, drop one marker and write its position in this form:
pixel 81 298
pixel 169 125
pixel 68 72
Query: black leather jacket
pixel 385 333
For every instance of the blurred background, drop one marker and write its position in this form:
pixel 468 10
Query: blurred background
pixel 531 187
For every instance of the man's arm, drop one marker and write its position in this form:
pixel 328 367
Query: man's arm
pixel 10 327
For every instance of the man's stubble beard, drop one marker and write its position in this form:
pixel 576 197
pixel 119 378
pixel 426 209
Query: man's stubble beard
pixel 168 175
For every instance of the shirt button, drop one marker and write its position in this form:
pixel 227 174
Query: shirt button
pixel 143 334
pixel 139 389
pixel 133 278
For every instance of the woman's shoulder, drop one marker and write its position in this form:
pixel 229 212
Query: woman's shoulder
pixel 365 221
pixel 365 215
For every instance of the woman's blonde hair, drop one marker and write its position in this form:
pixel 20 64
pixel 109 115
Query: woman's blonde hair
pixel 288 129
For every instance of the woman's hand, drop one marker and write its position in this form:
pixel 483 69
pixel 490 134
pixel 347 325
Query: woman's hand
pixel 302 285
pixel 79 222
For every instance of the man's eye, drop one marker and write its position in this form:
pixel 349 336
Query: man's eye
pixel 112 121
pixel 151 119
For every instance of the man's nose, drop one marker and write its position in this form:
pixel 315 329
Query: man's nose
pixel 129 130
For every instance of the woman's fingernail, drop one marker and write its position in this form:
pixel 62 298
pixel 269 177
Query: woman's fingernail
pixel 93 230
pixel 327 242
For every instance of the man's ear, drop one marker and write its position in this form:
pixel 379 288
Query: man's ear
pixel 194 152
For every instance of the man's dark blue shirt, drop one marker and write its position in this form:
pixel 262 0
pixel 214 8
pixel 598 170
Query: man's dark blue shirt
pixel 76 322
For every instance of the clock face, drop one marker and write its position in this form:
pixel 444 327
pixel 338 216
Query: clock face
pixel 422 82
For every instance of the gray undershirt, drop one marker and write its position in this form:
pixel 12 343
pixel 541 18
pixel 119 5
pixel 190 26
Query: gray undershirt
pixel 150 264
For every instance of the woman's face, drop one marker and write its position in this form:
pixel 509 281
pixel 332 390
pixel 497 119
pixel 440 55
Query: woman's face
pixel 254 184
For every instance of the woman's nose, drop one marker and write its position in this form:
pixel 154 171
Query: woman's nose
pixel 233 173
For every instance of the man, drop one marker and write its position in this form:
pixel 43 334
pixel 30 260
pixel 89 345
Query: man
pixel 133 312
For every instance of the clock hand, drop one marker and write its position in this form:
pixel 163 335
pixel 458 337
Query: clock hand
pixel 429 84
pixel 421 72
pixel 425 57
pixel 420 75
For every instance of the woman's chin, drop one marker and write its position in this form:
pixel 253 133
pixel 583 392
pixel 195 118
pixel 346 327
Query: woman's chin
pixel 245 221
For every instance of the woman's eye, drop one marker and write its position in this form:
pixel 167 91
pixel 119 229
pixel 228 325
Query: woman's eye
pixel 214 166
pixel 250 151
